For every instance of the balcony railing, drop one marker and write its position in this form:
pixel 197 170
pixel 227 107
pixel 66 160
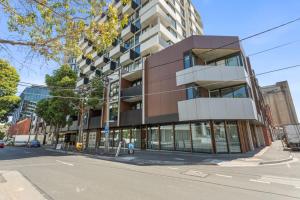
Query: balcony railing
pixel 95 122
pixel 133 93
pixel 131 117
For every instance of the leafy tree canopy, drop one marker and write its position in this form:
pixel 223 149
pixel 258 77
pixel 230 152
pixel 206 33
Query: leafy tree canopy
pixel 9 79
pixel 61 85
pixel 55 27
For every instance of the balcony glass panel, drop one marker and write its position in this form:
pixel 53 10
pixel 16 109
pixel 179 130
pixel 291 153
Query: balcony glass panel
pixel 183 137
pixel 201 135
pixel 166 137
pixel 220 137
pixel 153 138
pixel 233 137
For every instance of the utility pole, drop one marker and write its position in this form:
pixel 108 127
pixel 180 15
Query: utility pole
pixel 106 129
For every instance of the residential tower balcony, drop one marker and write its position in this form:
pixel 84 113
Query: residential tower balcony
pixel 130 7
pixel 131 117
pixel 132 94
pixel 217 108
pixel 128 57
pixel 129 31
pixel 212 76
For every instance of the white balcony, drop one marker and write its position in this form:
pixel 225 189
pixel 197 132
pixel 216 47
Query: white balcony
pixel 86 70
pixel 116 51
pixel 89 49
pixel 212 76
pixel 153 45
pixel 101 62
pixel 80 83
pixel 217 109
pixel 81 63
pixel 129 8
pixel 162 30
pixel 128 57
pixel 128 32
pixel 155 9
pixel 133 73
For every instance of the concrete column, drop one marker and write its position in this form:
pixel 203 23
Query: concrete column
pixel 249 136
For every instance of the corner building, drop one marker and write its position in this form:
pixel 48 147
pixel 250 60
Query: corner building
pixel 158 98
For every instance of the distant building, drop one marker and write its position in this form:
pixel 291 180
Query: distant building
pixel 29 98
pixel 279 98
pixel 71 60
pixel 21 127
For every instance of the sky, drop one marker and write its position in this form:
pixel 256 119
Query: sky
pixel 220 17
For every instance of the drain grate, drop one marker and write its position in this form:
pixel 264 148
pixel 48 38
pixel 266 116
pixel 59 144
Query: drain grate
pixel 195 173
pixel 2 179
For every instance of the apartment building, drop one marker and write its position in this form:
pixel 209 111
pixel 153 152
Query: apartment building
pixel 157 97
pixel 279 98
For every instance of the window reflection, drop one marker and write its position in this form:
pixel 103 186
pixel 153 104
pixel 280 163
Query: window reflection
pixel 220 137
pixel 201 135
pixel 183 137
pixel 153 139
pixel 166 137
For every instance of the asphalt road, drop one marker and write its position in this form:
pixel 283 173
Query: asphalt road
pixel 62 177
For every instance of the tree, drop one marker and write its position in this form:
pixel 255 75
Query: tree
pixel 95 96
pixel 9 80
pixel 55 110
pixel 54 27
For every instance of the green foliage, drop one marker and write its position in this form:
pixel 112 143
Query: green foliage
pixel 53 27
pixel 9 80
pixel 2 135
pixel 95 98
pixel 61 85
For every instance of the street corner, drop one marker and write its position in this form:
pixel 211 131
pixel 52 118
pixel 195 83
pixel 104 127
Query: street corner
pixel 13 186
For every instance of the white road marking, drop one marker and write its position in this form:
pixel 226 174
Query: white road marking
pixel 222 175
pixel 297 187
pixel 178 158
pixel 288 165
pixel 173 168
pixel 259 181
pixel 65 163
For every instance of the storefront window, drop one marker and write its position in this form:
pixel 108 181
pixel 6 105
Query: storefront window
pixel 117 138
pixel 153 136
pixel 111 138
pixel 126 136
pixel 182 137
pixel 220 137
pixel 166 137
pixel 136 137
pixel 92 140
pixel 201 135
pixel 233 137
pixel 102 139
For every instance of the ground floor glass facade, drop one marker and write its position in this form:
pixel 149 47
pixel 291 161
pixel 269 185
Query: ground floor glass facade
pixel 202 137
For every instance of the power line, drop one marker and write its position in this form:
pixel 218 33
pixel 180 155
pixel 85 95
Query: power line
pixel 237 41
pixel 272 48
pixel 214 83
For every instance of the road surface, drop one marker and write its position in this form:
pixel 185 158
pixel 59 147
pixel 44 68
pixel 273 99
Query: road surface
pixel 69 177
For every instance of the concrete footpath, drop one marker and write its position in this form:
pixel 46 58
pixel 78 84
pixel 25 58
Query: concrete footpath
pixel 268 155
pixel 14 186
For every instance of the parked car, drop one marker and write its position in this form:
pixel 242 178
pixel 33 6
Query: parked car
pixel 2 144
pixel 34 143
